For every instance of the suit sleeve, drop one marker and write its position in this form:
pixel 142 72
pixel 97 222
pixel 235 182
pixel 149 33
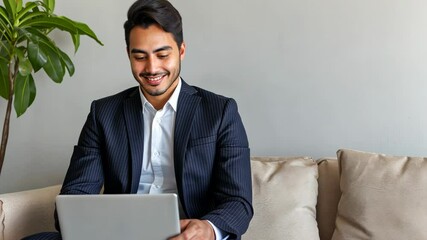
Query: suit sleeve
pixel 232 175
pixel 85 175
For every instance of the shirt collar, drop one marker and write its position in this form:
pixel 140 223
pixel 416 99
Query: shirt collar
pixel 173 100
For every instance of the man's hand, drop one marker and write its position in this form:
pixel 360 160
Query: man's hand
pixel 194 229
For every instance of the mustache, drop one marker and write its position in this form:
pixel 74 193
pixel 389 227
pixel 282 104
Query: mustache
pixel 147 74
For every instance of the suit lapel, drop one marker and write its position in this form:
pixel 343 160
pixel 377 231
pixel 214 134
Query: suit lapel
pixel 188 102
pixel 132 111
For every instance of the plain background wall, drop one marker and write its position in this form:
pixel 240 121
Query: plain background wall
pixel 309 76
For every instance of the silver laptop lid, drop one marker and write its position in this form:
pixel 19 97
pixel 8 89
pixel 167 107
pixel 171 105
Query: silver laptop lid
pixel 121 216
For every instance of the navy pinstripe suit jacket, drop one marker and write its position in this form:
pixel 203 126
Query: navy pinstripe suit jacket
pixel 211 155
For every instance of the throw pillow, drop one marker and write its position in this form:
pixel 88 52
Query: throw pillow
pixel 383 197
pixel 285 196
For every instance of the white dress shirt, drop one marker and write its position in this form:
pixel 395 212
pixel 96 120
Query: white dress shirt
pixel 158 172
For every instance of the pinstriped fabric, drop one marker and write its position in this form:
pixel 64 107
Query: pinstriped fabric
pixel 135 133
pixel 103 147
pixel 211 155
pixel 44 236
pixel 215 151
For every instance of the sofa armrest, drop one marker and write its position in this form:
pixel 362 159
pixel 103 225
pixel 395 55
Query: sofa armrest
pixel 27 212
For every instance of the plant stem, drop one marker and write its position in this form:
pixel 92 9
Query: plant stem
pixel 5 135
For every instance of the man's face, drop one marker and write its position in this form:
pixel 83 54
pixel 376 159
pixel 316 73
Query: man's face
pixel 155 61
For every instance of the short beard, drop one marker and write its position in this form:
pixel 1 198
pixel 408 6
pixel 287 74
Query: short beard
pixel 158 93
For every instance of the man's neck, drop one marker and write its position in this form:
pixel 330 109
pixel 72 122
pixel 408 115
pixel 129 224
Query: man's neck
pixel 158 102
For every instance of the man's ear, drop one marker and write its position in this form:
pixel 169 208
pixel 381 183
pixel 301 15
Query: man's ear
pixel 182 51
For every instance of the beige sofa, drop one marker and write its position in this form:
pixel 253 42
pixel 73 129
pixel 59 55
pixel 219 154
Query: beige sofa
pixel 294 198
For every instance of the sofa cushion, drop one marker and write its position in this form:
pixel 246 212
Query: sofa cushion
pixel 285 193
pixel 328 197
pixel 383 197
pixel 27 212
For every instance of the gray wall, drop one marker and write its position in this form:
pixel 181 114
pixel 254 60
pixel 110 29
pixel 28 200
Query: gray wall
pixel 310 77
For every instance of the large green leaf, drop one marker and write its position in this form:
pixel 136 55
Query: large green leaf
pixel 11 7
pixel 25 12
pixel 25 93
pixel 54 66
pixel 25 68
pixel 18 5
pixel 84 29
pixel 35 35
pixel 24 65
pixel 4 49
pixel 5 34
pixel 66 60
pixel 50 4
pixel 4 79
pixel 36 53
pixel 51 22
pixel 37 57
pixel 76 41
pixel 5 23
pixel 4 14
pixel 31 15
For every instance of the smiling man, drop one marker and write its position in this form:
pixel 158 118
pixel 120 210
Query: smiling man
pixel 166 136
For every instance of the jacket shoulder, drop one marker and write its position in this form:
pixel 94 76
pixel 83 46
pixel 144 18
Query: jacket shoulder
pixel 118 97
pixel 211 96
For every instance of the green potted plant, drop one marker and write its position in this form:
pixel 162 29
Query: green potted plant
pixel 26 48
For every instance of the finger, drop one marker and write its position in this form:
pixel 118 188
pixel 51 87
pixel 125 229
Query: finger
pixel 188 230
pixel 184 224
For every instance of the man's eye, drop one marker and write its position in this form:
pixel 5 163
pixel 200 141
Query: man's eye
pixel 140 57
pixel 163 56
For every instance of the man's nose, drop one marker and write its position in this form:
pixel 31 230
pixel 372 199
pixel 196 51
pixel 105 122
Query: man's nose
pixel 151 65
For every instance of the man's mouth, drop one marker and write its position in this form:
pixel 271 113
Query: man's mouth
pixel 154 79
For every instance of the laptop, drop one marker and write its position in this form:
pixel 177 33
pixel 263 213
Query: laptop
pixel 121 216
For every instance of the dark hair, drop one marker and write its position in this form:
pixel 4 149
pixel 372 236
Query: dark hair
pixel 145 13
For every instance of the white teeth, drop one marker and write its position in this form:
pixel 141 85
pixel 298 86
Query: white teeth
pixel 154 78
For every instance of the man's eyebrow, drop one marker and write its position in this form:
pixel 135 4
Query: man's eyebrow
pixel 165 48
